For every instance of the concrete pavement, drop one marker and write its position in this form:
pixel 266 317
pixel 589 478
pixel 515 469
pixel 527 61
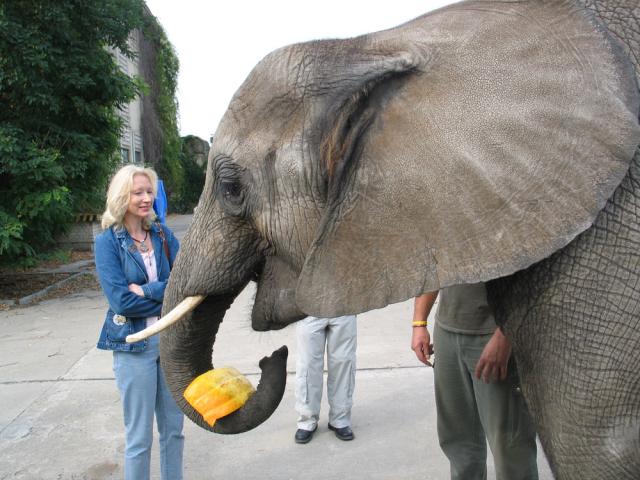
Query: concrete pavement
pixel 61 415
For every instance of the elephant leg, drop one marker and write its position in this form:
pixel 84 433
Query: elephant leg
pixel 574 320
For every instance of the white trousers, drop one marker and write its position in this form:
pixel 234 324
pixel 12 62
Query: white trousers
pixel 340 337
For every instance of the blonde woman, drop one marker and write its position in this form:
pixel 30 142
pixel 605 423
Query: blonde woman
pixel 134 255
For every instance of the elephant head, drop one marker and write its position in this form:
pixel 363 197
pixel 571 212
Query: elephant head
pixel 346 175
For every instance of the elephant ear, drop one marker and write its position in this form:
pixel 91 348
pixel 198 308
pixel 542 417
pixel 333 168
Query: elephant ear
pixel 496 152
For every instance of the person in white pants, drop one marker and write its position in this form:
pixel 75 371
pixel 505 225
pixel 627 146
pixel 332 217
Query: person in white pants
pixel 340 337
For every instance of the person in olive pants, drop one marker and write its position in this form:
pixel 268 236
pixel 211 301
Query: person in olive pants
pixel 474 397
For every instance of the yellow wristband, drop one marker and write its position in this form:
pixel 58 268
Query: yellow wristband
pixel 419 323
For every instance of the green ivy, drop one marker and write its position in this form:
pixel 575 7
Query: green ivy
pixel 194 177
pixel 163 90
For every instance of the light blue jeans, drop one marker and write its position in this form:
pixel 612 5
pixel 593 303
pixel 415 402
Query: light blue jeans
pixel 143 390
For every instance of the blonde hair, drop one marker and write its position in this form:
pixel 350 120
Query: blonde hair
pixel 119 193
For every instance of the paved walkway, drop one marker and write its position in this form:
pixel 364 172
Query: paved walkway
pixel 61 415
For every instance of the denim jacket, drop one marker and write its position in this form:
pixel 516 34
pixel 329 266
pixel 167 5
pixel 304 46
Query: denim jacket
pixel 119 264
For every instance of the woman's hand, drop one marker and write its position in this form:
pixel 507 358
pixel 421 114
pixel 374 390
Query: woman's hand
pixel 136 289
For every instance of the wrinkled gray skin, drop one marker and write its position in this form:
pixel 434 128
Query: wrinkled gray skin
pixel 492 141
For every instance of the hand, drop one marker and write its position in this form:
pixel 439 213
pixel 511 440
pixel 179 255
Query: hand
pixel 492 365
pixel 136 289
pixel 420 344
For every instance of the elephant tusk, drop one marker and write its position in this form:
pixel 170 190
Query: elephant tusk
pixel 179 311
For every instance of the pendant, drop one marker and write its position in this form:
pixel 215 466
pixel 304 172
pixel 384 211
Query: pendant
pixel 143 247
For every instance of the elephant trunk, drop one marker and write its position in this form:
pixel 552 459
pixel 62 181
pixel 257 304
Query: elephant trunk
pixel 186 349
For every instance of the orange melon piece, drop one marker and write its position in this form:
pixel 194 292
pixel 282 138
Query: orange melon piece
pixel 218 392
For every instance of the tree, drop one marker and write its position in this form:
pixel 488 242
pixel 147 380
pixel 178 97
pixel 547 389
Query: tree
pixel 59 128
pixel 193 158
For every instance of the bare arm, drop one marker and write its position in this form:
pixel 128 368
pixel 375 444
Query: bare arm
pixel 420 338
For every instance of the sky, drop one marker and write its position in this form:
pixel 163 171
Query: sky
pixel 218 43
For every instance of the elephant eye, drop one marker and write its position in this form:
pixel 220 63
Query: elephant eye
pixel 231 190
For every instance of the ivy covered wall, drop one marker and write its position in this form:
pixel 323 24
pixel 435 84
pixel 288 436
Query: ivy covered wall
pixel 159 68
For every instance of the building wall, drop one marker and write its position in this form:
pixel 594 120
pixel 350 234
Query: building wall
pixel 131 147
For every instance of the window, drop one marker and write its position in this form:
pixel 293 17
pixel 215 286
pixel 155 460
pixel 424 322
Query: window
pixel 137 157
pixel 123 111
pixel 123 62
pixel 124 155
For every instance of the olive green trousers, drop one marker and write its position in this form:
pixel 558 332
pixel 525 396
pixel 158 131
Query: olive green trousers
pixel 472 414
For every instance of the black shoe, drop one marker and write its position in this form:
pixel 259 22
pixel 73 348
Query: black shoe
pixel 304 436
pixel 343 433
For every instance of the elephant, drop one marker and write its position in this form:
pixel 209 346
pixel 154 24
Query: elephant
pixel 492 141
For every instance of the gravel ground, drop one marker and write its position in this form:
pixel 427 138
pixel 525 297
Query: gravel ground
pixel 16 284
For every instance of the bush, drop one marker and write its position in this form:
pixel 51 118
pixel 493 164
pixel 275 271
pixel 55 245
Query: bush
pixel 36 203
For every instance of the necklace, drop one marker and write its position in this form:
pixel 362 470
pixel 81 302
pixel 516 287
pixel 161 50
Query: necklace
pixel 143 246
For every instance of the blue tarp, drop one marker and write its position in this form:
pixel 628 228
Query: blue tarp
pixel 160 203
